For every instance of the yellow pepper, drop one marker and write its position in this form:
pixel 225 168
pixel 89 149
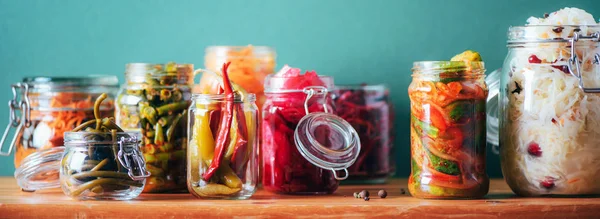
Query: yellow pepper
pixel 214 190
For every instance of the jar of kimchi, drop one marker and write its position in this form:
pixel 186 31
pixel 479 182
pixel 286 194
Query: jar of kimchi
pixel 448 130
pixel 549 106
pixel 304 145
pixel 44 108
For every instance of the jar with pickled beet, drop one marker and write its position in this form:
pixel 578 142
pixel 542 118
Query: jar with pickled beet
pixel 154 100
pixel 222 166
pixel 368 109
pixel 92 165
pixel 304 145
pixel 249 67
pixel 44 108
pixel 549 106
pixel 448 130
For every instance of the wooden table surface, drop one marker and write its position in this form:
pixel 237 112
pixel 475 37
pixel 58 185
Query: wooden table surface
pixel 500 203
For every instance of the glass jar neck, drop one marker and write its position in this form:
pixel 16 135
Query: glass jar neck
pixel 169 74
pixel 216 98
pixel 433 70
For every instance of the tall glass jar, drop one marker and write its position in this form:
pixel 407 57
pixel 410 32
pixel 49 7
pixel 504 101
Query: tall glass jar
pixel 549 110
pixel 154 100
pixel 249 67
pixel 368 109
pixel 236 174
pixel 303 144
pixel 43 108
pixel 92 165
pixel 448 130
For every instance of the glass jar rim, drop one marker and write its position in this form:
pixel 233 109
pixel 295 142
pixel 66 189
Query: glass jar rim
pixel 366 87
pixel 144 69
pixel 221 97
pixel 64 83
pixel 257 51
pixel 434 67
pixel 77 139
pixel 542 33
pixel 274 84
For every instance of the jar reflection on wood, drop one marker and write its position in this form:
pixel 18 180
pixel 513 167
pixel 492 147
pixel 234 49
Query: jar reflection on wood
pixel 154 100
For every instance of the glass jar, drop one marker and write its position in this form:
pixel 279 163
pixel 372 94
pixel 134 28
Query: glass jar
pixel 51 106
pixel 549 111
pixel 303 145
pixel 235 176
pixel 92 165
pixel 368 109
pixel 154 100
pixel 448 130
pixel 249 67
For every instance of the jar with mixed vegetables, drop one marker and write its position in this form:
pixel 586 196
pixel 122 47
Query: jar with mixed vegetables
pixel 222 154
pixel 368 109
pixel 154 100
pixel 303 145
pixel 51 106
pixel 448 128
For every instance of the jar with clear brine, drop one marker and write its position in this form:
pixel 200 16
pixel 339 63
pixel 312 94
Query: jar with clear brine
pixel 223 166
pixel 154 100
pixel 550 107
pixel 448 130
pixel 44 108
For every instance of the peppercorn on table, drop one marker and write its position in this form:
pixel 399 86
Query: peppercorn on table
pixel 500 202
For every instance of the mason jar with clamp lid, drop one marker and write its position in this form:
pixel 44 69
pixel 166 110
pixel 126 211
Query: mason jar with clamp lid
pixel 43 108
pixel 304 146
pixel 549 108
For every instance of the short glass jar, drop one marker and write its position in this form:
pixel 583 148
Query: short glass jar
pixel 92 165
pixel 368 109
pixel 154 100
pixel 448 130
pixel 229 170
pixel 303 144
pixel 249 67
pixel 44 108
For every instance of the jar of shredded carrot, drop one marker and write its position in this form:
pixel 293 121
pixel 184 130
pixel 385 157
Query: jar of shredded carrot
pixel 44 108
pixel 249 67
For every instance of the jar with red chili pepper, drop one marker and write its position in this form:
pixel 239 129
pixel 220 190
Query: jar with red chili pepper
pixel 448 130
pixel 305 147
pixel 368 109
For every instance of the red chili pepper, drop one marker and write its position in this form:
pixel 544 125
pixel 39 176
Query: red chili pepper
pixel 226 120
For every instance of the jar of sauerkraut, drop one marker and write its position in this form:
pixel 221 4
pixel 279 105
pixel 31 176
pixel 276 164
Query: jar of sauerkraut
pixel 549 106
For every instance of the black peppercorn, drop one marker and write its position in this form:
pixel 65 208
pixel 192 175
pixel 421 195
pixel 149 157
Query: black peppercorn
pixel 364 194
pixel 402 191
pixel 367 198
pixel 382 193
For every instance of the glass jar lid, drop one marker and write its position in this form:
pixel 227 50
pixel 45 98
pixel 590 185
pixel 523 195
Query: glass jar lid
pixel 62 84
pixel 326 140
pixel 40 170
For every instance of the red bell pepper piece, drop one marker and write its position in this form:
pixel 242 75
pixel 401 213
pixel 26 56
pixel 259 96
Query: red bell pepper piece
pixel 226 120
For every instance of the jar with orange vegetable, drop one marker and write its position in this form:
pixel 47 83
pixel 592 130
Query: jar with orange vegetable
pixel 44 108
pixel 249 67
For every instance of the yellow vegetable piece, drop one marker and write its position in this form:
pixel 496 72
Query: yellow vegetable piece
pixel 214 190
pixel 228 177
pixel 467 56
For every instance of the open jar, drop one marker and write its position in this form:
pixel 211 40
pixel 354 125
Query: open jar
pixel 549 110
pixel 92 165
pixel 154 100
pixel 44 108
pixel 217 171
pixel 368 109
pixel 304 145
pixel 448 130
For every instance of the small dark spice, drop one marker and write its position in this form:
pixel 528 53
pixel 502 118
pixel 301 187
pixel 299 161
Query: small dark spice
pixel 382 193
pixel 367 198
pixel 402 191
pixel 546 15
pixel 364 194
pixel 518 89
pixel 558 29
pixel 577 29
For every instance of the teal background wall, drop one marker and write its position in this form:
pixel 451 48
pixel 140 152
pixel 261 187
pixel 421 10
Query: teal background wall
pixel 373 41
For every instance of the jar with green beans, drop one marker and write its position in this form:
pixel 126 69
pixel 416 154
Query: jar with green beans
pixel 154 100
